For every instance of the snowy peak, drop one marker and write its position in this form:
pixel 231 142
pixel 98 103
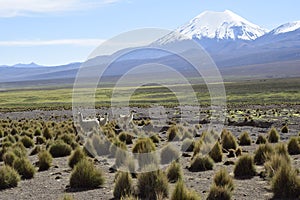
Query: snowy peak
pixel 285 28
pixel 216 25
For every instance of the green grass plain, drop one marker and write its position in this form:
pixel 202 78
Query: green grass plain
pixel 249 92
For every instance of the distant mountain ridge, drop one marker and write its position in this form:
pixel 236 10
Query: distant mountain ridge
pixel 233 42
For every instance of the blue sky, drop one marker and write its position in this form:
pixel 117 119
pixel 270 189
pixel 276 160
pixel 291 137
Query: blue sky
pixel 53 32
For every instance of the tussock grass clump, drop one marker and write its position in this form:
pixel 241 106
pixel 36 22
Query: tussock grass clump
pixel 37 132
pixel 85 175
pixel 60 149
pixel 201 163
pixel 123 185
pixel 155 138
pixel 45 160
pixel 244 167
pixel 173 133
pixel 168 154
pixel 122 159
pixel 274 163
pixel 273 136
pixel 293 146
pixel 174 172
pixel 187 145
pixel 67 138
pixel 261 139
pixel 263 153
pixel 281 149
pixel 151 183
pixel 9 177
pixel 222 179
pixel 285 183
pixel 116 143
pixel 67 197
pixel 101 145
pixel 228 140
pixel 9 157
pixel 219 193
pixel 216 152
pixel 181 192
pixel 125 137
pixel 35 150
pixel 76 156
pixel 245 139
pixel 27 141
pixel 143 145
pixel 24 167
pixel 47 134
pixel 285 129
pixel 40 140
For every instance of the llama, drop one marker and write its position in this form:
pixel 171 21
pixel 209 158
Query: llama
pixel 103 120
pixel 87 125
pixel 127 119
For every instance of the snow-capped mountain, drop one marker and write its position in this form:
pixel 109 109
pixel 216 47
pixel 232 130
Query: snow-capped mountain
pixel 285 28
pixel 216 25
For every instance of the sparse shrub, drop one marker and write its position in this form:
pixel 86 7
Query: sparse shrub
pixel 261 139
pixel 201 163
pixel 219 193
pixel 187 145
pixel 263 153
pixel 285 183
pixel 9 157
pixel 222 179
pixel 173 133
pixel 101 145
pixel 123 185
pixel 60 149
pixel 9 177
pixel 245 139
pixel 228 141
pixel 182 193
pixel 174 172
pixel 285 129
pixel 168 154
pixel 45 160
pixel 273 136
pixel 24 167
pixel 244 167
pixel 152 182
pixel 47 134
pixel 294 146
pixel 76 156
pixel 85 175
pixel 216 153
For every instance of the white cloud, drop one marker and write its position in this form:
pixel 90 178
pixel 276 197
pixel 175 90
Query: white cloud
pixel 12 8
pixel 75 42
